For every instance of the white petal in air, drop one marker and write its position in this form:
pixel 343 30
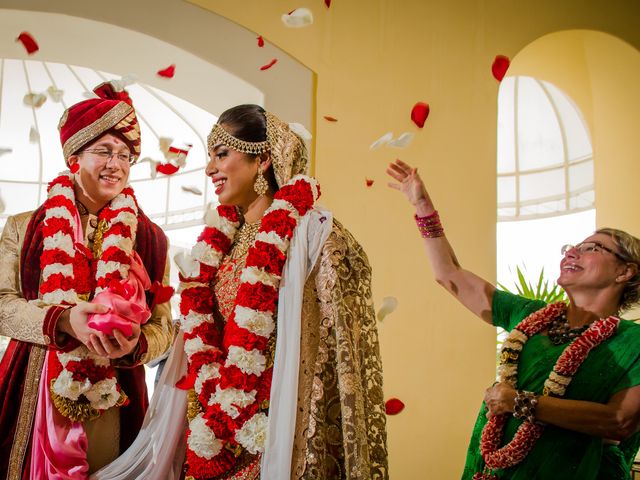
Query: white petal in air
pixel 389 304
pixel 188 266
pixel 34 136
pixel 191 189
pixel 300 17
pixel 55 94
pixel 383 140
pixel 402 141
pixel 164 143
pixel 35 100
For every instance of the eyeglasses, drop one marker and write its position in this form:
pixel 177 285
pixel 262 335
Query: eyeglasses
pixel 590 247
pixel 108 155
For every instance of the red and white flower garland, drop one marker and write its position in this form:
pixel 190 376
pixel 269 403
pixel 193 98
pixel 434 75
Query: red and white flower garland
pixel 229 370
pixel 83 384
pixel 556 384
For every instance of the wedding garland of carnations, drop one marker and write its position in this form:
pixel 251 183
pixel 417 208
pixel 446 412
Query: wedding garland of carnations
pixel 82 384
pixel 556 384
pixel 230 370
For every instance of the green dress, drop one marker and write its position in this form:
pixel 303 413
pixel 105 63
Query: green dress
pixel 562 454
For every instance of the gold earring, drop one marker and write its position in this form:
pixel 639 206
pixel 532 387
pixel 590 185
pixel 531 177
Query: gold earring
pixel 260 186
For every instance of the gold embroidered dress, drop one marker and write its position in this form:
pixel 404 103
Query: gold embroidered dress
pixel 340 419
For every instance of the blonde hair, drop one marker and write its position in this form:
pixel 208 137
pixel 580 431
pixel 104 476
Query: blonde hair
pixel 630 251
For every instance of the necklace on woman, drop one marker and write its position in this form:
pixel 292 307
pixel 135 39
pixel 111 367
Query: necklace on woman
pixel 556 384
pixel 560 332
pixel 244 238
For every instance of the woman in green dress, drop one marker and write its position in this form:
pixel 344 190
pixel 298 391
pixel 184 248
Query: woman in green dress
pixel 567 403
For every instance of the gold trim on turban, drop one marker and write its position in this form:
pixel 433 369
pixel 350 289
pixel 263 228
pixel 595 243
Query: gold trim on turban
pixel 101 125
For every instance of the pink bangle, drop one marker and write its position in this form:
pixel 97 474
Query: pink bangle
pixel 430 225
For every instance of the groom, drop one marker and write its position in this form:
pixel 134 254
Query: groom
pixel 72 383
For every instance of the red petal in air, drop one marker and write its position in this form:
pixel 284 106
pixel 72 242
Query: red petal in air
pixel 369 182
pixel 327 3
pixel 28 42
pixel 269 65
pixel 500 67
pixel 393 406
pixel 74 168
pixel 329 118
pixel 167 168
pixel 161 292
pixel 178 150
pixel 260 41
pixel 168 72
pixel 419 113
pixel 292 11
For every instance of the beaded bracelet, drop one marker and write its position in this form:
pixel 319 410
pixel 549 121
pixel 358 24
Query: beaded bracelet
pixel 525 406
pixel 430 225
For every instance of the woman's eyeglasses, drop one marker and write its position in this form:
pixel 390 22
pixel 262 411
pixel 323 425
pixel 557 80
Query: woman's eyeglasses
pixel 590 247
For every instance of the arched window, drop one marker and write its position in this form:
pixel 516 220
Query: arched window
pixel 545 177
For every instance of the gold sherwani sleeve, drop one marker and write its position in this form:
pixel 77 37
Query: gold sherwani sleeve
pixel 19 318
pixel 340 422
pixel 159 329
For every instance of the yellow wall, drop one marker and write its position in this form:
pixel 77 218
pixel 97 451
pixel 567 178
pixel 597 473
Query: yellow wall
pixel 374 60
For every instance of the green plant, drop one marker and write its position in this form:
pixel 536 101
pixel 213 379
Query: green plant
pixel 544 290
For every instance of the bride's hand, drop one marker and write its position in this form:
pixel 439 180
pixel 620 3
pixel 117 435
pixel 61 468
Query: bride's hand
pixel 411 185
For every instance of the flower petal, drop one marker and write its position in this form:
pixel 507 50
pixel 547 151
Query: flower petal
pixel 419 113
pixel 389 304
pixel 298 18
pixel 383 140
pixel 188 266
pixel 168 72
pixel 260 41
pixel 499 67
pixel 329 118
pixel 393 406
pixel 402 141
pixel 191 189
pixel 28 42
pixel 167 168
pixel 35 100
pixel 369 182
pixel 34 136
pixel 162 293
pixel 269 65
pixel 55 94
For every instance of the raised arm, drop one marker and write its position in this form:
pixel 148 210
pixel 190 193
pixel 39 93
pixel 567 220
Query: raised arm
pixel 473 292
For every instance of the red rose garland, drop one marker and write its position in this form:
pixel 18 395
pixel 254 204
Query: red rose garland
pixel 82 384
pixel 556 384
pixel 229 370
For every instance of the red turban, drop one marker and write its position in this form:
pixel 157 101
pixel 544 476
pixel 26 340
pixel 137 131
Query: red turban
pixel 84 122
